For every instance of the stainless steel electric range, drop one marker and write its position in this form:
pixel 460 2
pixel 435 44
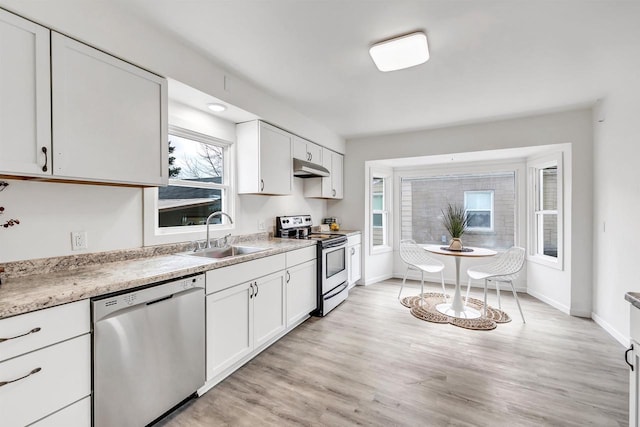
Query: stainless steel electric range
pixel 331 260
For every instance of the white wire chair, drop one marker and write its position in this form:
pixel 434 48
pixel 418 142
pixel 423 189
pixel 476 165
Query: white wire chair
pixel 416 258
pixel 505 268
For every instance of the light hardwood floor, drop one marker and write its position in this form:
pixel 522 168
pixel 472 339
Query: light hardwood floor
pixel 370 362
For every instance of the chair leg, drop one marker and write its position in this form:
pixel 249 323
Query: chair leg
pixel 498 291
pixel 422 286
pixel 466 298
pixel 515 295
pixel 403 281
pixel 485 297
pixel 444 290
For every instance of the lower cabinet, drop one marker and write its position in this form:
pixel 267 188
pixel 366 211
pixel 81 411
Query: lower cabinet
pixel 76 415
pixel 45 366
pixel 301 291
pixel 634 383
pixel 354 248
pixel 243 318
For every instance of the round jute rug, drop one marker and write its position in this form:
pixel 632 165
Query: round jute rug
pixel 429 313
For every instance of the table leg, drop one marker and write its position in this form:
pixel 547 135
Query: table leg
pixel 456 308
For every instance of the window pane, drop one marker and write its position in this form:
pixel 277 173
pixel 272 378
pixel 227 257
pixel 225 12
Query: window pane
pixel 194 160
pixel 377 220
pixel 549 184
pixel 479 219
pixel 476 200
pixel 183 206
pixel 548 238
pixel 377 202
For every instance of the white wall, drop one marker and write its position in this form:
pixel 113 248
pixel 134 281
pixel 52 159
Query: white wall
pixel 573 127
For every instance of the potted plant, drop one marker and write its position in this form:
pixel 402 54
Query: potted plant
pixel 455 220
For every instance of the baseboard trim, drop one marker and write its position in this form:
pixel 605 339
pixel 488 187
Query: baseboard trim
pixel 553 303
pixel 377 279
pixel 625 341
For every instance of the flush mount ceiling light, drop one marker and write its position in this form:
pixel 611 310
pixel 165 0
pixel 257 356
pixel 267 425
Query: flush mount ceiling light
pixel 400 52
pixel 218 108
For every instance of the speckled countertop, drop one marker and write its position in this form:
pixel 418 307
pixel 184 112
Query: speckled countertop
pixel 27 293
pixel 633 298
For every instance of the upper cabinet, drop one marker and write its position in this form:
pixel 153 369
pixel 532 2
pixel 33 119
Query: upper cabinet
pixel 69 111
pixel 109 117
pixel 330 187
pixel 264 159
pixel 25 97
pixel 306 150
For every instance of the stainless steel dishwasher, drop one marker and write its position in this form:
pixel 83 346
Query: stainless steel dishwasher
pixel 148 351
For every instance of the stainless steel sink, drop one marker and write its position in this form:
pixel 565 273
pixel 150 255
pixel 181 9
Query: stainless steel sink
pixel 225 252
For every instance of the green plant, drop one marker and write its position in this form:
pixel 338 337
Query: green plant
pixel 455 220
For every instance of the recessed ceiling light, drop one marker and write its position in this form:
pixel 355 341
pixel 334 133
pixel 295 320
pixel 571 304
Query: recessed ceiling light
pixel 218 108
pixel 400 52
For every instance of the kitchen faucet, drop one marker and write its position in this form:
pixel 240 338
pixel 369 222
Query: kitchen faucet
pixel 217 213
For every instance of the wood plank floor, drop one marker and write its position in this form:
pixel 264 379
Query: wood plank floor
pixel 370 362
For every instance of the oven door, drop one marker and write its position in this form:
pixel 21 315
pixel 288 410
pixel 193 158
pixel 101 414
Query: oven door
pixel 334 267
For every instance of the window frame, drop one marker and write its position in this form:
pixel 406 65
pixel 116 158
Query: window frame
pixel 535 166
pixel 386 211
pixel 154 234
pixel 489 229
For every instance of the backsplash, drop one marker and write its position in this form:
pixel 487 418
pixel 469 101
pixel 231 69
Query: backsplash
pixel 71 262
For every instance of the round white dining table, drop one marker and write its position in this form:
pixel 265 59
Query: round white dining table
pixel 456 308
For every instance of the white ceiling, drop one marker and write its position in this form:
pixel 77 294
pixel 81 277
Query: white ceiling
pixel 489 59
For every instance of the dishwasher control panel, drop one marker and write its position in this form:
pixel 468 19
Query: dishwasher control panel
pixel 152 294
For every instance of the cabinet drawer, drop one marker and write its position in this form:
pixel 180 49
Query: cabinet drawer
pixel 301 255
pixel 76 415
pixel 354 239
pixel 226 277
pixel 64 378
pixel 50 326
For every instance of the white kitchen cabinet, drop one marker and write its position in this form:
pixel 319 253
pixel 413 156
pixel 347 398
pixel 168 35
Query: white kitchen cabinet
pixel 632 357
pixel 306 150
pixel 229 328
pixel 109 117
pixel 25 97
pixel 354 249
pixel 301 291
pixel 268 308
pixel 76 415
pixel 330 187
pixel 243 317
pixel 47 364
pixel 264 159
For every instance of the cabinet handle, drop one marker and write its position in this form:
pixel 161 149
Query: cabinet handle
pixel 46 159
pixel 262 185
pixel 252 291
pixel 333 193
pixel 33 371
pixel 288 276
pixel 626 359
pixel 309 156
pixel 257 288
pixel 353 251
pixel 33 331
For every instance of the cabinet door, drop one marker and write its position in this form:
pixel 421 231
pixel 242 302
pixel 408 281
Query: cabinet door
pixel 268 308
pixel 336 175
pixel 354 264
pixel 76 415
pixel 25 97
pixel 229 330
pixel 301 291
pixel 109 117
pixel 634 384
pixel 300 148
pixel 275 160
pixel 315 153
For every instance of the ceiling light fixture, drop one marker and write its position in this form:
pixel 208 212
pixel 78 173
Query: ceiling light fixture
pixel 218 108
pixel 400 52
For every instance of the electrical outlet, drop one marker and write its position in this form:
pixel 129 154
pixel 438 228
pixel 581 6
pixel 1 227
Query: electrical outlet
pixel 78 240
pixel 261 225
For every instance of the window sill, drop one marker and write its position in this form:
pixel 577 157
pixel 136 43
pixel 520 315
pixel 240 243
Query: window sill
pixel 547 261
pixel 376 250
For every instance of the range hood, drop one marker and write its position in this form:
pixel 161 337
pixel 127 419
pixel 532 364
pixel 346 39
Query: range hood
pixel 304 169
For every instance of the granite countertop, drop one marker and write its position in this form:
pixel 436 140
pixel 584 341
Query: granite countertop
pixel 633 298
pixel 33 292
pixel 347 232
